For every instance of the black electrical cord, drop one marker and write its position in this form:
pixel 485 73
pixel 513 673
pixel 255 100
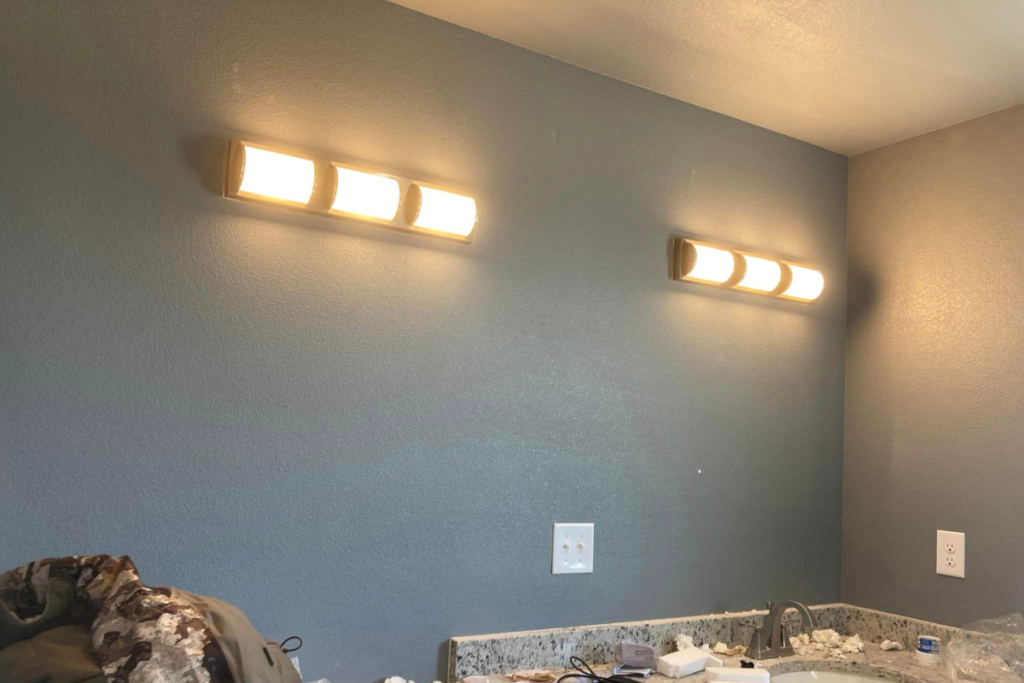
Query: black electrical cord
pixel 286 650
pixel 584 671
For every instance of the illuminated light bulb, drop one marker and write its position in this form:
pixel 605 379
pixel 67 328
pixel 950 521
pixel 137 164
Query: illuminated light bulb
pixel 806 285
pixel 366 194
pixel 762 275
pixel 275 176
pixel 440 211
pixel 711 264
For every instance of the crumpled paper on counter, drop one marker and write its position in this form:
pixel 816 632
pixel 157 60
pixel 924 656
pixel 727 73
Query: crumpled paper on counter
pixel 828 641
pixel 684 641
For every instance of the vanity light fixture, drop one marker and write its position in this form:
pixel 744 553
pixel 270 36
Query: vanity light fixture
pixel 270 175
pixel 365 195
pixel 759 274
pixel 266 174
pixel 806 283
pixel 731 269
pixel 439 211
pixel 701 262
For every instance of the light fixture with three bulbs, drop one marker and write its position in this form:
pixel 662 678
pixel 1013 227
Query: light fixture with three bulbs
pixel 259 173
pixel 708 264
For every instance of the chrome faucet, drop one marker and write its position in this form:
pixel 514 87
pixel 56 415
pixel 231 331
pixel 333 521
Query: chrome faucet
pixel 771 640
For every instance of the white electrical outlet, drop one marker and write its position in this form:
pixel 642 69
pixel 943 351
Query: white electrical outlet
pixel 572 549
pixel 950 548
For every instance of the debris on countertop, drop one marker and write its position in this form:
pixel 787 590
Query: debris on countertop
pixel 889 645
pixel 534 675
pixel 827 637
pixel 721 648
pixel 828 641
pixel 684 641
pixel 852 645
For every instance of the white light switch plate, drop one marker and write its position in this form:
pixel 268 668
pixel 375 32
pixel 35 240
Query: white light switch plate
pixel 950 548
pixel 572 549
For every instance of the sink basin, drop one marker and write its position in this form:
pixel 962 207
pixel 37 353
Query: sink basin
pixel 823 677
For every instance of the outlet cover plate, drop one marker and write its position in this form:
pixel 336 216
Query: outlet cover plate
pixel 572 549
pixel 950 557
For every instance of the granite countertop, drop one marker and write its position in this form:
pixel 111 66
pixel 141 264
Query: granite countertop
pixel 896 666
pixel 497 656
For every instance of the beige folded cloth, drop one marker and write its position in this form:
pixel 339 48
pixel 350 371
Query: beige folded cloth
pixel 60 655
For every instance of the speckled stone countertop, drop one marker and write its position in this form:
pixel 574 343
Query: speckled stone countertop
pixel 899 667
pixel 505 653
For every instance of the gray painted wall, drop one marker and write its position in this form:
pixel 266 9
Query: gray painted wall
pixel 934 371
pixel 363 436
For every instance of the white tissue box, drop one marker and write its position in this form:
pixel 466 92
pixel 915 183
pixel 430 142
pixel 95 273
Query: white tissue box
pixel 685 662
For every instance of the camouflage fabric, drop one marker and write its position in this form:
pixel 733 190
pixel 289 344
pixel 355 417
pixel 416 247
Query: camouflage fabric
pixel 140 634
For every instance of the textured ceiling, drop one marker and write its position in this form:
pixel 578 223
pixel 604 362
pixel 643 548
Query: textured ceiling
pixel 848 75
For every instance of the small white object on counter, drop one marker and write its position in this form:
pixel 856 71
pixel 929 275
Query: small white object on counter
pixel 827 637
pixel 735 675
pixel 721 648
pixel 928 650
pixel 685 662
pixel 852 645
pixel 624 670
pixel 889 645
pixel 684 641
pixel 682 662
pixel 534 675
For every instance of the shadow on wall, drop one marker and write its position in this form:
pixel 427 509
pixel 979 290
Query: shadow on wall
pixel 442 661
pixel 861 292
pixel 207 155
